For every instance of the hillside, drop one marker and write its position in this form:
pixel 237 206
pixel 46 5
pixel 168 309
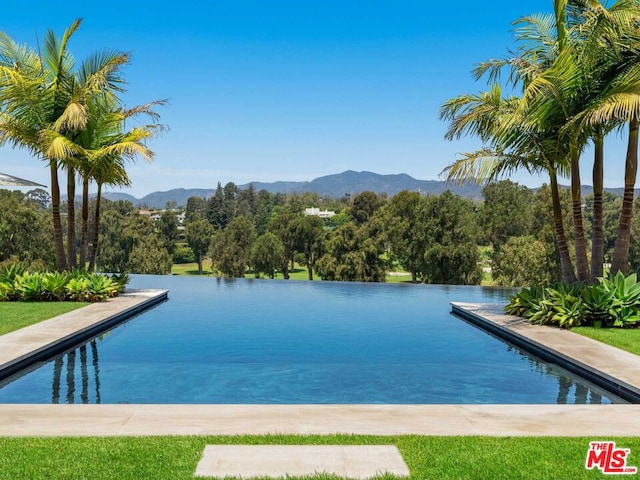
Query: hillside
pixel 337 185
pixel 345 183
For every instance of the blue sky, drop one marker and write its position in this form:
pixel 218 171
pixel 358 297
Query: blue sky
pixel 289 90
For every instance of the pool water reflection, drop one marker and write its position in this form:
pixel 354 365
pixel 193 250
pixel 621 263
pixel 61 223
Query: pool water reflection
pixel 263 341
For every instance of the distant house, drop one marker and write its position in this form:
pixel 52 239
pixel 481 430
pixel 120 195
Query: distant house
pixel 316 212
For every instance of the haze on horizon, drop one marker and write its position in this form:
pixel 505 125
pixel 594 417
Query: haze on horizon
pixel 289 90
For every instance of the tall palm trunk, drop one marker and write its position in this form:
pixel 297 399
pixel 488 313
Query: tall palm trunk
pixel 84 236
pixel 96 231
pixel 621 253
pixel 71 218
pixel 566 266
pixel 582 264
pixel 61 261
pixel 597 236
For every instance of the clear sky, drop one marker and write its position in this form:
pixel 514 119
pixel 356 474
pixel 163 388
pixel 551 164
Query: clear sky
pixel 266 90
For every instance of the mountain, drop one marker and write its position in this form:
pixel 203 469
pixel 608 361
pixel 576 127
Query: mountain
pixel 351 182
pixel 345 183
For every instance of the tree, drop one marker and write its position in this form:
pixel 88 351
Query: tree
pixel 405 229
pixel 196 208
pixel 149 256
pixel 364 205
pixel 353 253
pixel 521 262
pixel 282 226
pixel 44 96
pixel 168 229
pixel 199 233
pixel 25 234
pixel 307 235
pixel 231 247
pixel 267 254
pixel 451 255
pixel 506 211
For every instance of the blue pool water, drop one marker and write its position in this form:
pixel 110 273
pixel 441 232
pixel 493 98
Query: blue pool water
pixel 263 341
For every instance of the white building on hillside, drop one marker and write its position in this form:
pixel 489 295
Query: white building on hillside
pixel 316 212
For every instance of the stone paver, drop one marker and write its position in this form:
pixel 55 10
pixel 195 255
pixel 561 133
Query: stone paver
pixel 277 461
pixel 492 420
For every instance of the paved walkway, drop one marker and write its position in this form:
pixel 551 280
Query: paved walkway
pixel 496 420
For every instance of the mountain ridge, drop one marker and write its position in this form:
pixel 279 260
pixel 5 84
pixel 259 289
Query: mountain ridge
pixel 336 185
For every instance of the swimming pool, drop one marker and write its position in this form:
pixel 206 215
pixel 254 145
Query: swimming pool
pixel 283 342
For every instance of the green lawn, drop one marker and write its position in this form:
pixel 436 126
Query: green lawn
pixel 15 315
pixel 624 338
pixel 174 458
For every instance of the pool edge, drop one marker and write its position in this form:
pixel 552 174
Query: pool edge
pixel 61 333
pixel 563 351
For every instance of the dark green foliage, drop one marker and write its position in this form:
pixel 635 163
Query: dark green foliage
pixel 231 247
pixel 183 254
pixel 130 242
pixel 451 255
pixel 614 302
pixel 25 230
pixel 522 261
pixel 267 254
pixel 506 212
pixel 307 239
pixel 364 205
pixel 199 233
pixel 149 256
pixel 353 254
pixel 76 286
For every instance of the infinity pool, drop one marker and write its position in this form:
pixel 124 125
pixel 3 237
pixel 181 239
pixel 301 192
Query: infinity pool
pixel 284 342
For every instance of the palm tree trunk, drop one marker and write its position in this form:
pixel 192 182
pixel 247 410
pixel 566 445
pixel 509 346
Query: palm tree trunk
pixel 96 231
pixel 582 264
pixel 61 261
pixel 71 218
pixel 84 238
pixel 597 236
pixel 621 253
pixel 568 275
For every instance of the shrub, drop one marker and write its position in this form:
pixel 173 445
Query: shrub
pixel 78 285
pixel 614 302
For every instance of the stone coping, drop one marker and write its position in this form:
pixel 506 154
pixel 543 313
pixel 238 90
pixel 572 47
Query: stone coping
pixel 611 368
pixel 597 421
pixel 24 347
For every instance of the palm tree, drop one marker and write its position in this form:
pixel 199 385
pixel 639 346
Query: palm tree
pixel 105 147
pixel 519 147
pixel 43 96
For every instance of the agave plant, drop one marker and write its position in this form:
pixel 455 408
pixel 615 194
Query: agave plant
pixel 53 285
pixel 78 289
pixel 100 287
pixel 28 286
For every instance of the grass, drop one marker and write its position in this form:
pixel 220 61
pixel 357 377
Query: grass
pixel 442 458
pixel 15 315
pixel 624 338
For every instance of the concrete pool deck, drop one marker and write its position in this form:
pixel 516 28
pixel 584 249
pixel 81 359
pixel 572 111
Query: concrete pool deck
pixel 491 420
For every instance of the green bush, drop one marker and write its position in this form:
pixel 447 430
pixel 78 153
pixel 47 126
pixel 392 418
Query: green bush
pixel 77 286
pixel 183 254
pixel 613 302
